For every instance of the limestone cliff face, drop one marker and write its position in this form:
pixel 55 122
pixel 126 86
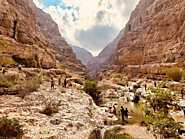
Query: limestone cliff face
pixel 82 54
pixel 18 35
pixel 96 63
pixel 57 44
pixel 154 34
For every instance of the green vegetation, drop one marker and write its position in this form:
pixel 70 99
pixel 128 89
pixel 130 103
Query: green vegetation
pixel 30 85
pixel 7 61
pixel 50 105
pixel 4 43
pixel 7 80
pixel 182 59
pixel 37 58
pixel 156 113
pixel 11 14
pixel 91 89
pixel 62 66
pixel 95 134
pixel 121 83
pixel 175 74
pixel 10 128
pixel 113 134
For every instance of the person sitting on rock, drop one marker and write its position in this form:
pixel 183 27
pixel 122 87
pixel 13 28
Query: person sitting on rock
pixel 69 83
pixel 52 83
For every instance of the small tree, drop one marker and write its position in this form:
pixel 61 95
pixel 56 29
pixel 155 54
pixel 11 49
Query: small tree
pixel 159 121
pixel 175 74
pixel 91 89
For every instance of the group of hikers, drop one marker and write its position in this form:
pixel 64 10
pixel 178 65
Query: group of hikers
pixel 124 112
pixel 4 68
pixel 64 84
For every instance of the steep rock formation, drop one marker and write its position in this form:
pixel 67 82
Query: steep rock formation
pixel 82 54
pixel 154 34
pixel 18 35
pixel 58 46
pixel 96 63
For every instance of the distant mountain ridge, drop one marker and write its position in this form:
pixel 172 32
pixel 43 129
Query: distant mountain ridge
pixel 96 63
pixel 82 54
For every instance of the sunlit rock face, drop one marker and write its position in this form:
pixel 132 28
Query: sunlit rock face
pixel 154 34
pixel 97 62
pixel 57 44
pixel 18 35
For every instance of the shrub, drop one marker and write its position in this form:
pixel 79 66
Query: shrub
pixel 115 80
pixel 95 134
pixel 10 128
pixel 30 85
pixel 7 61
pixel 47 78
pixel 91 89
pixel 37 58
pixel 62 66
pixel 51 106
pixel 121 83
pixel 113 134
pixel 63 90
pixel 7 80
pixel 174 74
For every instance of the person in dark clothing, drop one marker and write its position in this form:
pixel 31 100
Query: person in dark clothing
pixel 145 86
pixel 65 82
pixel 114 110
pixel 184 111
pixel 3 65
pixel 182 92
pixel 3 70
pixel 122 113
pixel 19 68
pixel 52 83
pixel 155 84
pixel 126 113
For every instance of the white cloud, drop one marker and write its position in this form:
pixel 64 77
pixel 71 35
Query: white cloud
pixel 39 5
pixel 90 16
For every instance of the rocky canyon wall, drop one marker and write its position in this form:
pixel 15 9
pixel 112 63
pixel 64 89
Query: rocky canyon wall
pixel 57 44
pixel 18 35
pixel 154 35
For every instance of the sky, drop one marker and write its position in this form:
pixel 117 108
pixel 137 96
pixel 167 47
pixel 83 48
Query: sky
pixel 90 24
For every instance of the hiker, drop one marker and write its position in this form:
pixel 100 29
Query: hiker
pixel 59 81
pixel 52 83
pixel 145 87
pixel 126 113
pixel 3 70
pixel 65 82
pixel 69 83
pixel 19 68
pixel 184 111
pixel 122 113
pixel 182 92
pixel 114 111
pixel 155 84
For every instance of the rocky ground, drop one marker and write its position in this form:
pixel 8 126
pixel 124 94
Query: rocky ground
pixel 77 116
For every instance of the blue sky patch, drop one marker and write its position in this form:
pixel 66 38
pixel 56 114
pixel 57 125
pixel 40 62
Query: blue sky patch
pixel 110 6
pixel 48 3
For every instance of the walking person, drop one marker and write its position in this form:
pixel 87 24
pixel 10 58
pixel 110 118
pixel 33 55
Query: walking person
pixel 114 110
pixel 122 113
pixel 145 87
pixel 184 111
pixel 182 92
pixel 155 84
pixel 65 82
pixel 126 113
pixel 52 83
